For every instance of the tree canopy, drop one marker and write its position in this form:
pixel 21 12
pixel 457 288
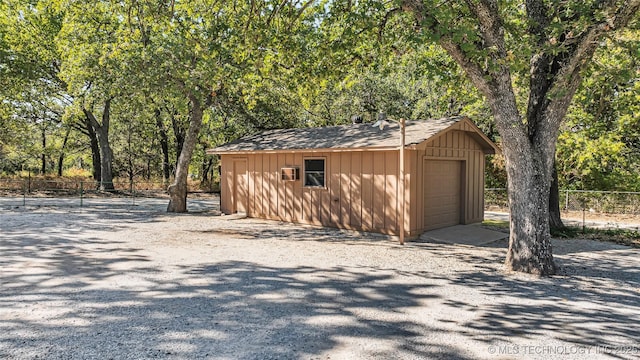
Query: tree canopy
pixel 131 89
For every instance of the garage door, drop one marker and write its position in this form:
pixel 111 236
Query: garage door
pixel 442 188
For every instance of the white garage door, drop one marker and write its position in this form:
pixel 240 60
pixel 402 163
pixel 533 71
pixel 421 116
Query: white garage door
pixel 442 188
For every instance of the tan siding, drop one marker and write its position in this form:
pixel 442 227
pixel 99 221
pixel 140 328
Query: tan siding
pixel 273 186
pixel 482 185
pixel 409 157
pixel 379 191
pixel 298 192
pixel 259 195
pixel 477 190
pixel 334 188
pixel 411 160
pixel 391 195
pixel 316 206
pixel 281 199
pixel 361 187
pixel 356 189
pixel 225 184
pixel 418 192
pixel 367 190
pixel 345 184
pixel 240 181
pixel 417 208
pixel 265 185
pixel 288 190
pixel 307 209
pixel 250 185
pixel 430 152
pixel 476 182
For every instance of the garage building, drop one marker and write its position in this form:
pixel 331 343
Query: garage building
pixel 348 176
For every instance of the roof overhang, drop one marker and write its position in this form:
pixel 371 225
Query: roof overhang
pixel 289 151
pixel 461 123
pixel 487 145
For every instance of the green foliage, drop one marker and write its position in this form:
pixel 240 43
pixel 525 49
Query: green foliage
pixel 403 89
pixel 599 147
pixel 271 64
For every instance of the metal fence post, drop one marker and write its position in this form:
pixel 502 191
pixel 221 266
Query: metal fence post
pixel 81 191
pixel 24 194
pixel 566 201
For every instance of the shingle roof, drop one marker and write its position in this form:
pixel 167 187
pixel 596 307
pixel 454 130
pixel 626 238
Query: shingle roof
pixel 351 136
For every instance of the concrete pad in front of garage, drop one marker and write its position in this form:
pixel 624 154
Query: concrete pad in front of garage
pixel 473 235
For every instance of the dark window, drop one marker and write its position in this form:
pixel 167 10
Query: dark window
pixel 314 172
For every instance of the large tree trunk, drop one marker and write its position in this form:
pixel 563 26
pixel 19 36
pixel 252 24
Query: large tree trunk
pixel 106 155
pixel 529 150
pixel 528 188
pixel 555 220
pixel 95 149
pixel 529 145
pixel 178 189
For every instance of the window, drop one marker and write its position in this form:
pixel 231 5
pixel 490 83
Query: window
pixel 314 172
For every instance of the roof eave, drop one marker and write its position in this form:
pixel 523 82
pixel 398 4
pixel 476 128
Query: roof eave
pixel 487 145
pixel 318 150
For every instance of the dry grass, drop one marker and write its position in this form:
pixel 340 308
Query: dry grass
pixel 617 236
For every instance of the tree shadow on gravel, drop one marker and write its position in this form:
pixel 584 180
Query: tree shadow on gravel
pixel 232 310
pixel 72 295
pixel 68 294
pixel 593 301
pixel 310 235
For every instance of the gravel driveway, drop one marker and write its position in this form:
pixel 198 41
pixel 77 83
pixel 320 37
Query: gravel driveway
pixel 139 284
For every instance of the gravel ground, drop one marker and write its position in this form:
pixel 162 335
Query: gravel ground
pixel 136 283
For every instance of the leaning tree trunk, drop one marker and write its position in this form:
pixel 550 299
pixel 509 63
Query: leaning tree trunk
pixel 95 149
pixel 106 155
pixel 178 189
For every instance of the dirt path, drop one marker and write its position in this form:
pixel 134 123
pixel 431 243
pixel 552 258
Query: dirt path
pixel 138 284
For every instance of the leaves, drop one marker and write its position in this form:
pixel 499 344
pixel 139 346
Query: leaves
pixel 267 64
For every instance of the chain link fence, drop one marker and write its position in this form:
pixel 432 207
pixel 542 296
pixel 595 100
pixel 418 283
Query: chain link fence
pixel 85 192
pixel 602 202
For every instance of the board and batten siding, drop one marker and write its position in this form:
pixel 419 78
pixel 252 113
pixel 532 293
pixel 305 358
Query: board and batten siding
pixel 360 193
pixel 455 144
pixel 361 186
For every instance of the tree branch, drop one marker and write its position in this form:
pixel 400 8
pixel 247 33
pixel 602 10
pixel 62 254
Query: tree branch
pixel 558 77
pixel 384 21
